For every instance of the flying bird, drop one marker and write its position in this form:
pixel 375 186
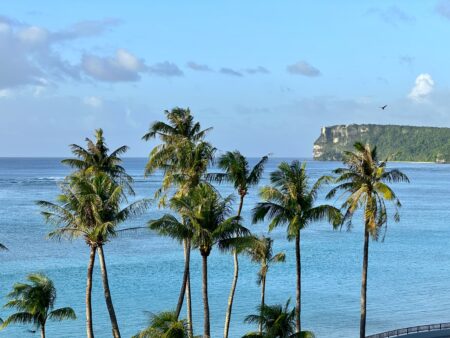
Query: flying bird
pixel 384 107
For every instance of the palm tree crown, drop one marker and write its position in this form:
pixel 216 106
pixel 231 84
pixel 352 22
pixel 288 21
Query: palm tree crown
pixel 209 217
pixel 237 171
pixel 95 158
pixel 180 137
pixel 164 325
pixel 35 302
pixel 89 206
pixel 364 180
pixel 261 252
pixel 290 200
pixel 277 321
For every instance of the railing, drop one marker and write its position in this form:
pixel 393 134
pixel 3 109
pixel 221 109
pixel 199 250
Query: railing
pixel 409 330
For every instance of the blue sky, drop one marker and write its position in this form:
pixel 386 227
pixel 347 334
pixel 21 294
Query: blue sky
pixel 265 74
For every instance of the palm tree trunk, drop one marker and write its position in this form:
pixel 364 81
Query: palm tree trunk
pixel 108 299
pixel 362 324
pixel 189 307
pixel 206 325
pixel 183 283
pixel 43 331
pixel 235 279
pixel 231 296
pixel 263 295
pixel 89 329
pixel 298 305
pixel 188 288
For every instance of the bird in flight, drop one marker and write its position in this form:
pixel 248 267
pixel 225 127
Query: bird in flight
pixel 384 107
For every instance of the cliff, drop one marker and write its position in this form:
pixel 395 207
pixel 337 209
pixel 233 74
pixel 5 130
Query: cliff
pixel 400 143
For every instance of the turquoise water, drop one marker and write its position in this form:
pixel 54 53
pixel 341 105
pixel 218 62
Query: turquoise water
pixel 408 274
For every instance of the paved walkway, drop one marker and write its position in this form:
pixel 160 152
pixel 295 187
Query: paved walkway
pixel 423 331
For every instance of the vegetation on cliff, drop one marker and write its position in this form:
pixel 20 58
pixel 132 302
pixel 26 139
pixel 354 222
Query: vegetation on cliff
pixel 401 143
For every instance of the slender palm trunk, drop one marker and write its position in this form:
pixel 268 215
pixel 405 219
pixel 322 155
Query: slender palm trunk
pixel 263 295
pixel 183 283
pixel 89 329
pixel 187 254
pixel 298 305
pixel 43 331
pixel 362 324
pixel 108 299
pixel 206 325
pixel 189 307
pixel 231 296
pixel 234 282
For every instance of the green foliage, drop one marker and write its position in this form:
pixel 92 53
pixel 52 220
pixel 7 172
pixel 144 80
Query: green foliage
pixel 89 206
pixel 364 180
pixel 35 302
pixel 260 251
pixel 277 322
pixel 164 325
pixel 290 200
pixel 95 158
pixel 399 143
pixel 208 216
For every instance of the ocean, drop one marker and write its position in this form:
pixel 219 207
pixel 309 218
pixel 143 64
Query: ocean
pixel 408 278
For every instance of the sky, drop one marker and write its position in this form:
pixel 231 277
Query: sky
pixel 267 75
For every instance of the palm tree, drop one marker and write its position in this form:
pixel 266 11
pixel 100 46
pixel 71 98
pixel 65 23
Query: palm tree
pixel 95 158
pixel 180 128
pixel 291 201
pixel 277 322
pixel 89 207
pixel 364 181
pixel 261 252
pixel 184 157
pixel 208 215
pixel 35 303
pixel 237 171
pixel 164 325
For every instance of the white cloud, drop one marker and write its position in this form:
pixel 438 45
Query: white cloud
pixel 5 93
pixel 422 89
pixel 303 68
pixel 33 35
pixel 124 66
pixel 93 101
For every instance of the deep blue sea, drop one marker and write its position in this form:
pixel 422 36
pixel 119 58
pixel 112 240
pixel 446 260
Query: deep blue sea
pixel 409 273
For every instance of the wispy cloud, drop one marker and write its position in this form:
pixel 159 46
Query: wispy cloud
pixel 257 70
pixel 392 15
pixel 231 72
pixel 165 69
pixel 443 8
pixel 406 59
pixel 198 67
pixel 303 68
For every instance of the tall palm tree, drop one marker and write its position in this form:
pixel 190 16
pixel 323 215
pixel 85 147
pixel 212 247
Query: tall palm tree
pixel 238 172
pixel 290 200
pixel 261 252
pixel 180 128
pixel 277 321
pixel 364 179
pixel 90 207
pixel 208 214
pixel 95 158
pixel 35 303
pixel 184 157
pixel 164 325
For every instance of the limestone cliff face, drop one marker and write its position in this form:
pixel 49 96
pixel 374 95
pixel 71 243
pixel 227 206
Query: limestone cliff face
pixel 333 140
pixel 400 143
